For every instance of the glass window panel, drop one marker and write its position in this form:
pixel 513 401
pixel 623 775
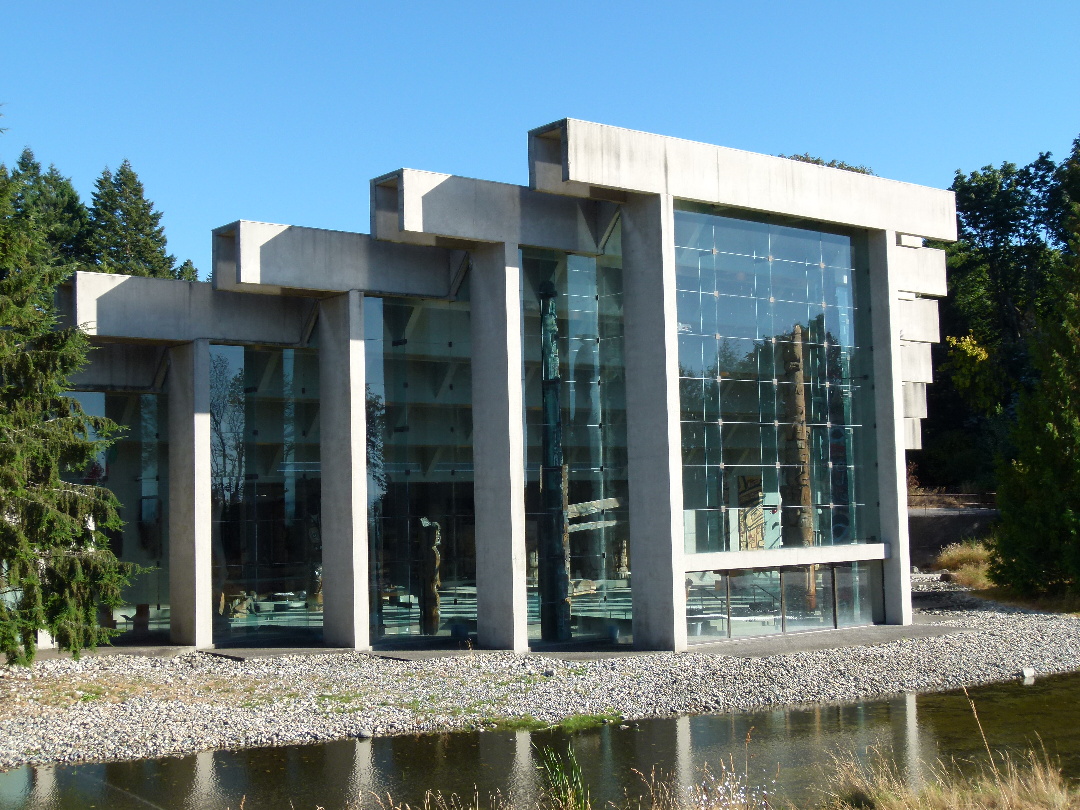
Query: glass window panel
pixel 738 359
pixel 808 598
pixel 739 400
pixel 706 606
pixel 740 236
pixel 742 276
pixel 835 250
pixel 795 245
pixel 691 363
pixel 755 603
pixel 740 317
pixel 853 593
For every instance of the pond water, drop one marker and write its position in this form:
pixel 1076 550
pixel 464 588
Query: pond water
pixel 789 750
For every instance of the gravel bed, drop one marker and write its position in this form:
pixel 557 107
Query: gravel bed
pixel 121 707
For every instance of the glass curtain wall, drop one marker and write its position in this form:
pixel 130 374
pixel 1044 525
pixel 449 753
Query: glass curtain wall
pixel 577 531
pixel 759 602
pixel 774 384
pixel 136 469
pixel 420 474
pixel 266 494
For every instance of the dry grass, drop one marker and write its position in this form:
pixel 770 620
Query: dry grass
pixel 968 561
pixel 1030 783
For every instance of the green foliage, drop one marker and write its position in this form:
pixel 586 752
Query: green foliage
pixel 806 157
pixel 55 564
pixel 1002 283
pixel 127 236
pixel 1037 549
pixel 50 205
pixel 564 787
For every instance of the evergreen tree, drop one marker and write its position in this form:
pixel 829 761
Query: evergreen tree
pixel 1037 548
pixel 49 204
pixel 56 568
pixel 126 233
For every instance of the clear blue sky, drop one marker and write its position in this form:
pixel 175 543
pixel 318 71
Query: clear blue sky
pixel 282 112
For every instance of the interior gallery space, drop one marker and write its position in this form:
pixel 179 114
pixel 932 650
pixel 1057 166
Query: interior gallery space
pixel 659 396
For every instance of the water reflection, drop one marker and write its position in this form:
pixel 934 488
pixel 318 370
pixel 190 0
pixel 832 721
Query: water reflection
pixel 791 747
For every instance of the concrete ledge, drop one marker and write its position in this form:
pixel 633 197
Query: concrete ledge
pixel 778 557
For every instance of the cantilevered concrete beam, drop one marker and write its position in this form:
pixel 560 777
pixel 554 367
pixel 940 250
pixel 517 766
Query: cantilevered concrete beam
pixel 582 159
pixel 429 208
pixel 262 257
pixel 126 307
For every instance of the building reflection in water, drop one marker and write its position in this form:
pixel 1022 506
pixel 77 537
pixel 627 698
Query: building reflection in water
pixel 792 747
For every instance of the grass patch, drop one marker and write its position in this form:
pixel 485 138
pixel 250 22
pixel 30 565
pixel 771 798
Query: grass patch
pixel 968 562
pixel 583 722
pixel 1026 783
pixel 524 723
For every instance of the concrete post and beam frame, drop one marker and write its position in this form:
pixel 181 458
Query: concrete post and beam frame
pixel 427 228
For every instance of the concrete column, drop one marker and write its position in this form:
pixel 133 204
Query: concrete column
pixel 343 453
pixel 191 597
pixel 889 428
pixel 654 451
pixel 498 449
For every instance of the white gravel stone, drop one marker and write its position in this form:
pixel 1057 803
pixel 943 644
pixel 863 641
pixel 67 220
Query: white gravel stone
pixel 120 707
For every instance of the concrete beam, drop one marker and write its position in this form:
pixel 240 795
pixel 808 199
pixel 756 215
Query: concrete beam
pixel 343 454
pixel 431 208
pixel 498 449
pixel 261 257
pixel 654 455
pixel 168 311
pixel 595 155
pixel 190 500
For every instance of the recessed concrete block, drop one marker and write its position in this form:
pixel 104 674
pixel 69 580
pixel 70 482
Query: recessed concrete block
pixel 917 364
pixel 919 320
pixel 915 400
pixel 912 434
pixel 921 271
pixel 907 240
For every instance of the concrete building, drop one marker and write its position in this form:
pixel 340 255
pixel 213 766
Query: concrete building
pixel 661 395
